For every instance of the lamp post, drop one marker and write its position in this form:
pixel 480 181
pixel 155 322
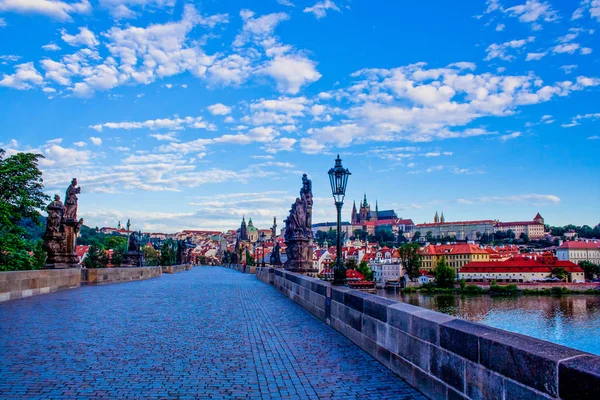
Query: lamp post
pixel 263 238
pixel 338 177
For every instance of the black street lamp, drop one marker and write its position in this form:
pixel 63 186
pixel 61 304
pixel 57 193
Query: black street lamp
pixel 263 238
pixel 338 177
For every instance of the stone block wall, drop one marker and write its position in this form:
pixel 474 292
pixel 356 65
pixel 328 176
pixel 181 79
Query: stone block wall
pixel 173 269
pixel 115 275
pixel 443 356
pixel 19 284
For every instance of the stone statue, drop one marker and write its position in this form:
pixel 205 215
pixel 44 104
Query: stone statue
pixel 134 243
pixel 62 227
pixel 298 231
pixel 56 210
pixel 71 201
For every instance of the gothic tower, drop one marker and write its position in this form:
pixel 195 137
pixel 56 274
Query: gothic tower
pixel 442 219
pixel 243 229
pixel 354 218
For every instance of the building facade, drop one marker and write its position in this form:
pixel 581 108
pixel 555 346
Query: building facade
pixel 457 255
pixel 461 230
pixel 582 250
pixel 533 229
pixel 520 269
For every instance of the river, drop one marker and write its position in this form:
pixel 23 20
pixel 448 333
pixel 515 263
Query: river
pixel 572 321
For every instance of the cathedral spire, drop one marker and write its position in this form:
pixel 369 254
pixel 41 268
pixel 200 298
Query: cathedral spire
pixel 365 200
pixel 376 207
pixel 442 219
pixel 436 218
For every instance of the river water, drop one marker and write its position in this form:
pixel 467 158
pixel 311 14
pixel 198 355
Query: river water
pixel 572 321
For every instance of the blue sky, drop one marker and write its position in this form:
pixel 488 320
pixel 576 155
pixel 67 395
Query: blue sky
pixel 188 114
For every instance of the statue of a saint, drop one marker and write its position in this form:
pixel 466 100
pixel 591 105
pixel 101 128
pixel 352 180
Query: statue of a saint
pixel 133 245
pixel 55 215
pixel 71 201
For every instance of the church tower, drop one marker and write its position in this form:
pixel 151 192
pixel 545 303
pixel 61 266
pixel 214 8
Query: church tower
pixel 442 219
pixel 243 229
pixel 436 218
pixel 365 210
pixel 538 218
pixel 354 218
pixel 375 216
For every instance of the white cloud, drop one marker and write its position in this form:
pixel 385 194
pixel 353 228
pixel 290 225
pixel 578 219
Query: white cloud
pixel 594 137
pixel 258 29
pixel 532 11
pixel 311 146
pixel 96 140
pixel 3 23
pixel 51 8
pixel 122 8
pixel 292 72
pixel 286 3
pixel 500 27
pixel 500 50
pixel 321 7
pixel 586 50
pixel 85 37
pixel 219 109
pixel 283 144
pixel 171 136
pixel 535 199
pixel 51 47
pixel 80 144
pixel 535 56
pixel 163 123
pixel 513 135
pixel 566 48
pixel 592 6
pixel 25 77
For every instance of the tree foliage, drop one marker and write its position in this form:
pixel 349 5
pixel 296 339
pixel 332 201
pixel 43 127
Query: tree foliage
pixel 444 274
pixel 364 269
pixel 21 197
pixel 589 269
pixel 559 272
pixel 115 242
pixel 330 236
pixel 150 255
pixel 411 259
pixel 96 257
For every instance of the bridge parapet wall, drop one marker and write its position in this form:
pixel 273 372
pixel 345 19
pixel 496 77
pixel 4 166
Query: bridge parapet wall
pixel 115 275
pixel 19 284
pixel 443 356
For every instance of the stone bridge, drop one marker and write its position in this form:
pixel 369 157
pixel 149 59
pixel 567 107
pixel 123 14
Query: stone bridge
pixel 207 333
pixel 214 332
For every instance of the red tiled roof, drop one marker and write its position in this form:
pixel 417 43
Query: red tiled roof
pixel 581 244
pixel 483 221
pixel 444 249
pixel 522 264
pixel 353 274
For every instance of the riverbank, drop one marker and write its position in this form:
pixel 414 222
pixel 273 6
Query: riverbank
pixel 510 289
pixel 572 320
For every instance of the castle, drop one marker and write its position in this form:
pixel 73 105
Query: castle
pixel 364 214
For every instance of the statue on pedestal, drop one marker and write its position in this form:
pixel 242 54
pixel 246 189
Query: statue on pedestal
pixel 62 228
pixel 276 252
pixel 133 257
pixel 298 232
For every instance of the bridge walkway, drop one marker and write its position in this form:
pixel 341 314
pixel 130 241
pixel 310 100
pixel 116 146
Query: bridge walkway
pixel 207 333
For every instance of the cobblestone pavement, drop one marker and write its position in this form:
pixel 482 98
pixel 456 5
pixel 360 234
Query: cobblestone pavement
pixel 207 333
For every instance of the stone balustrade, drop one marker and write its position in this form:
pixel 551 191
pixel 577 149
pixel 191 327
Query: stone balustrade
pixel 443 356
pixel 173 269
pixel 19 284
pixel 114 275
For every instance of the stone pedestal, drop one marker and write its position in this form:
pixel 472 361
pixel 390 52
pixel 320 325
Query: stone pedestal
pixel 300 256
pixel 132 259
pixel 60 247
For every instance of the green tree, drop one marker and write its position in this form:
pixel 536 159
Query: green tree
pixel 444 274
pixel 350 263
pixel 384 235
pixel 115 242
pixel 429 236
pixel 559 272
pixel 589 269
pixel 361 234
pixel 39 255
pixel 510 234
pixel 416 236
pixel 249 259
pixel 167 253
pixel 117 257
pixel 364 269
pixel 524 237
pixel 96 257
pixel 411 259
pixel 21 196
pixel 150 255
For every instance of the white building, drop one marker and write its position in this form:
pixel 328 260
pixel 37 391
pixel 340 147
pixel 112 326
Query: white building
pixel 582 250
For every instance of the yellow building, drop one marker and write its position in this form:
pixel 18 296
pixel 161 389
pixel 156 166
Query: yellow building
pixel 457 255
